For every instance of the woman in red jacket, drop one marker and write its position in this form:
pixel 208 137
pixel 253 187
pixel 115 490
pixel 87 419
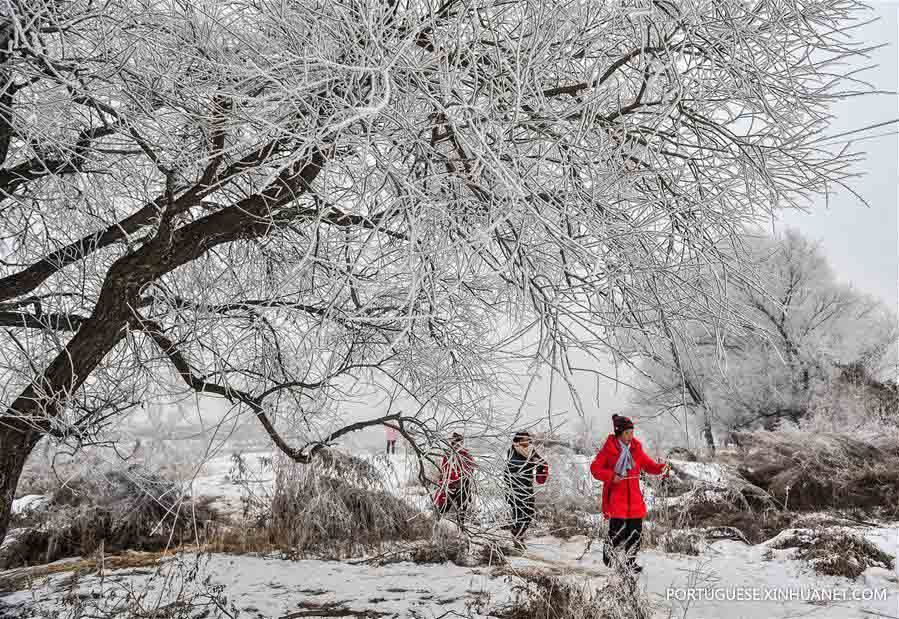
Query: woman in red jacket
pixel 617 466
pixel 454 486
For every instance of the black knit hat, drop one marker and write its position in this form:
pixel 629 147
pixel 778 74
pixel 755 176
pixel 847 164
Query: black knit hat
pixel 621 423
pixel 520 436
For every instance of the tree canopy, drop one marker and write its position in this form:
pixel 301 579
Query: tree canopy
pixel 263 198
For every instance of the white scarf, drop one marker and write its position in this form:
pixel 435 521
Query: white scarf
pixel 625 460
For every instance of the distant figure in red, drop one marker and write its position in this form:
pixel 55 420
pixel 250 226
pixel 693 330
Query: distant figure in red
pixel 454 487
pixel 392 435
pixel 617 466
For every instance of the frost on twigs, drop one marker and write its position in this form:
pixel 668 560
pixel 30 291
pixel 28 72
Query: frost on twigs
pixel 337 505
pixel 290 205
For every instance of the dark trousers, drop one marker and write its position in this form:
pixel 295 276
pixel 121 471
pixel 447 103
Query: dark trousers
pixel 522 503
pixel 457 499
pixel 391 447
pixel 627 532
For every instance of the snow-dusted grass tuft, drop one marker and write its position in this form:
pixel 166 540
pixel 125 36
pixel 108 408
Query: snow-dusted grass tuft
pixel 812 471
pixel 115 509
pixel 682 541
pixel 712 509
pixel 833 552
pixel 337 505
pixel 542 596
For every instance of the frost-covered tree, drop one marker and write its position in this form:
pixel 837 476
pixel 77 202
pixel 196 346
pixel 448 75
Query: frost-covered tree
pixel 273 201
pixel 793 329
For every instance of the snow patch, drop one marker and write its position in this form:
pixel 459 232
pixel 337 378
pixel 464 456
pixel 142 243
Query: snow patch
pixel 29 503
pixel 709 472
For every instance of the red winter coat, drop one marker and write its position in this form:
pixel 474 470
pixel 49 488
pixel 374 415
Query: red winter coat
pixel 622 499
pixel 454 468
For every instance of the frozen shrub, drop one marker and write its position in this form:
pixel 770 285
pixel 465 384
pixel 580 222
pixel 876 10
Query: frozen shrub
pixel 716 508
pixel 834 552
pixel 569 517
pixel 567 505
pixel 337 505
pixel 812 471
pixel 121 509
pixel 542 596
pixel 685 542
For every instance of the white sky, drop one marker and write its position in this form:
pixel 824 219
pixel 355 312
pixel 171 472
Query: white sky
pixel 861 241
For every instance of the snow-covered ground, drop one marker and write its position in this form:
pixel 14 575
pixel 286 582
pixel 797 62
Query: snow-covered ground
pixel 270 587
pixel 218 477
pixel 730 565
pixel 273 587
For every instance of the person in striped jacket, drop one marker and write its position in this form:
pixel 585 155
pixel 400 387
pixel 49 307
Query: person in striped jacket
pixel 523 467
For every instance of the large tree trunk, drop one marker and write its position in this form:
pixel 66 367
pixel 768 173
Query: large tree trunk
pixel 28 418
pixel 16 444
pixel 40 402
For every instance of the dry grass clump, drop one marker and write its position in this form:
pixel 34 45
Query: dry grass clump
pixel 244 540
pixel 493 554
pixel 542 596
pixel 813 471
pixel 447 543
pixel 566 506
pixel 454 551
pixel 569 516
pixel 118 509
pixel 834 552
pixel 438 551
pixel 682 541
pixel 710 511
pixel 756 526
pixel 337 505
pixel 775 482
